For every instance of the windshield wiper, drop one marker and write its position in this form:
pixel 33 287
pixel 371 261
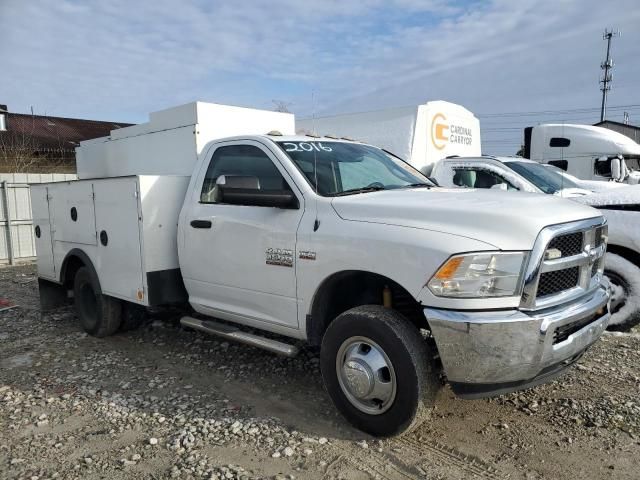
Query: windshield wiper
pixel 353 191
pixel 417 185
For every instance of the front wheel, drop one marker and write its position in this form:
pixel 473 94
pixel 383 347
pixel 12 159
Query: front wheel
pixel 624 278
pixel 100 315
pixel 378 370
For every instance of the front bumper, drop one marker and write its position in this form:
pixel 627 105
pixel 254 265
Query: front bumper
pixel 487 353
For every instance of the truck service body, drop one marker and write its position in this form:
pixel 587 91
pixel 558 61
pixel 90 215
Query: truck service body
pixel 329 242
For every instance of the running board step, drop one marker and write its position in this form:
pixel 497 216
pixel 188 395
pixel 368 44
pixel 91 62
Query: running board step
pixel 232 333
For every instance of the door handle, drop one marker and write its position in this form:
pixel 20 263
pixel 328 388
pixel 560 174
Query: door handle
pixel 201 223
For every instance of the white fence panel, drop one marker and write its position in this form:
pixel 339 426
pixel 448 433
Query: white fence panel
pixel 17 242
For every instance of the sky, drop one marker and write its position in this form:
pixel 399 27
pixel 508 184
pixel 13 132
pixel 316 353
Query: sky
pixel 512 63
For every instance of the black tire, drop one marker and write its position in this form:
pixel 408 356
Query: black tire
pixel 624 278
pixel 133 316
pixel 100 315
pixel 411 359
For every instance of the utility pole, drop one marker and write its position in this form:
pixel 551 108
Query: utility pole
pixel 606 66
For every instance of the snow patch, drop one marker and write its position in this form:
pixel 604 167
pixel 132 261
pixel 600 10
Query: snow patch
pixel 628 195
pixel 631 299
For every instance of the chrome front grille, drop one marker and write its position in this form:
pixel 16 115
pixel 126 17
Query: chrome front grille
pixel 558 281
pixel 568 244
pixel 565 263
pixel 601 235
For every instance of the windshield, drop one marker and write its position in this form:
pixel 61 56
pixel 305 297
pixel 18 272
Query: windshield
pixel 343 168
pixel 542 177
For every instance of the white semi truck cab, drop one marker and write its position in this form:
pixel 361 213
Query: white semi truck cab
pixel 329 243
pixel 585 151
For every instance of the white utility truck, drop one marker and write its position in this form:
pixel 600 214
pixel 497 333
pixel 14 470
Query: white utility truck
pixel 585 151
pixel 420 135
pixel 329 243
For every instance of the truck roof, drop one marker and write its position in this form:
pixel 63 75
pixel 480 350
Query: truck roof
pixel 276 137
pixel 488 158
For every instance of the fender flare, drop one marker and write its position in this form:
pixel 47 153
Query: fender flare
pixel 86 261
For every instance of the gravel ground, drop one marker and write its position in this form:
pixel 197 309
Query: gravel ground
pixel 165 402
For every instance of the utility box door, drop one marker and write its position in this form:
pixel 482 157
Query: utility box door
pixel 73 213
pixel 44 247
pixel 119 262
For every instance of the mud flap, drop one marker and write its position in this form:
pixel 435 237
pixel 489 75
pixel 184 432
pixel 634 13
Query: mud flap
pixel 52 295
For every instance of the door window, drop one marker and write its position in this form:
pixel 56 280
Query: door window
pixel 478 178
pixel 559 142
pixel 242 160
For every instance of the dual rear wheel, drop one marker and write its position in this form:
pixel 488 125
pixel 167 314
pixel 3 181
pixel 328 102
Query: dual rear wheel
pixel 101 315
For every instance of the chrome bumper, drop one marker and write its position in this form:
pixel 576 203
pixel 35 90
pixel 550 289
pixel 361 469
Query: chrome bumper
pixel 487 353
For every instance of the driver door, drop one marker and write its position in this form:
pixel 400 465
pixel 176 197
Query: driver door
pixel 480 177
pixel 239 260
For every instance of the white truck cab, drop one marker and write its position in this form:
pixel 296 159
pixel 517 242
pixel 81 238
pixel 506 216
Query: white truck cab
pixel 329 243
pixel 585 151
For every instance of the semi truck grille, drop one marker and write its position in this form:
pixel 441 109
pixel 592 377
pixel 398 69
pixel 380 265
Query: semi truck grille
pixel 558 281
pixel 569 244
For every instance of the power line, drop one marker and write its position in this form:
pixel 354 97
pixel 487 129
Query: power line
pixel 553 112
pixel 550 118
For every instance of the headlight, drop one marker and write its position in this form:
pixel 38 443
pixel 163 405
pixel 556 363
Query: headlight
pixel 479 275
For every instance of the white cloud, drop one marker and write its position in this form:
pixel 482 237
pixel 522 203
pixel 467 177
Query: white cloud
pixel 119 59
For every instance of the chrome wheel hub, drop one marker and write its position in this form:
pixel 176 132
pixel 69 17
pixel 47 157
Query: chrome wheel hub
pixel 358 378
pixel 366 375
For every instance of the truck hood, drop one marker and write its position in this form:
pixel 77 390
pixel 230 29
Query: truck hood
pixel 505 220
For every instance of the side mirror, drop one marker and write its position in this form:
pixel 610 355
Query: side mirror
pixel 245 190
pixel 499 186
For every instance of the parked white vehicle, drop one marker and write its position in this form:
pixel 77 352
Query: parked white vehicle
pixel 585 151
pixel 330 243
pixel 420 134
pixel 619 203
pixel 621 208
pixel 591 185
pixel 504 173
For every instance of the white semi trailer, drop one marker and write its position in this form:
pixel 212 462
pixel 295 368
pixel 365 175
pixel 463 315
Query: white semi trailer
pixel 327 242
pixel 420 134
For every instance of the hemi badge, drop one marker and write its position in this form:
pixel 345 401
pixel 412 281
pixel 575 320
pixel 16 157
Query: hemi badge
pixel 552 254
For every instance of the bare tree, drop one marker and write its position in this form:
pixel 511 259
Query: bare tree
pixel 17 150
pixel 282 106
pixel 20 151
